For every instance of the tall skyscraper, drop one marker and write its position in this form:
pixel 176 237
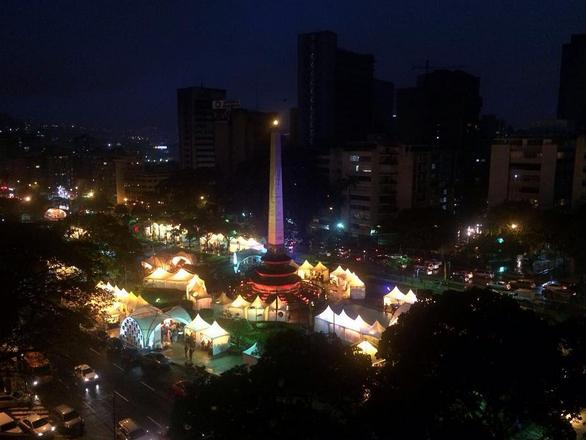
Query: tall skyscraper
pixel 443 109
pixel 334 91
pixel 196 126
pixel 572 94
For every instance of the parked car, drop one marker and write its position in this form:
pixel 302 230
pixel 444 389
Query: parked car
pixel 8 425
pixel 462 276
pixel 114 345
pixel 523 283
pixel 435 264
pixel 155 360
pixel 85 375
pixel 16 398
pixel 128 429
pixel 524 295
pixel 67 420
pixel 499 285
pixel 483 273
pixel 130 357
pixel 37 425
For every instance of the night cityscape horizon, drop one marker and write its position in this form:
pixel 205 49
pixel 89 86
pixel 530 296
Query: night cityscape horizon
pixel 306 220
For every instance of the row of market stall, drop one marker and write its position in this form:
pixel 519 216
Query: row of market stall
pixel 348 329
pixel 124 302
pixel 169 261
pixel 396 297
pixel 232 244
pixel 253 311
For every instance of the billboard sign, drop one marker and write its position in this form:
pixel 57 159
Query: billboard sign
pixel 226 104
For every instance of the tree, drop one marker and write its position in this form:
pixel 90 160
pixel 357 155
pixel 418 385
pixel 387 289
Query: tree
pixel 47 288
pixel 304 386
pixel 475 365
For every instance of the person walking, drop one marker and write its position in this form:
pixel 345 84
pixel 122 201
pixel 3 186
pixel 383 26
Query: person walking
pixel 191 348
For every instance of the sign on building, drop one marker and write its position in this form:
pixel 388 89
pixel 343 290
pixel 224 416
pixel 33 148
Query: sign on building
pixel 226 104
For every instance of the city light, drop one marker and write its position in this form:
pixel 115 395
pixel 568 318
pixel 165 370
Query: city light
pixel 275 122
pixel 340 225
pixel 514 226
pixel 27 199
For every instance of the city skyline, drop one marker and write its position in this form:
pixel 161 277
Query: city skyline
pixel 114 66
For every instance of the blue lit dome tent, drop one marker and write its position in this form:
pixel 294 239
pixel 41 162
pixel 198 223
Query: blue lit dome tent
pixel 143 327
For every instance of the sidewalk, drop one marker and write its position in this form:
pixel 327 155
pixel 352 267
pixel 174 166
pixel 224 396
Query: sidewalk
pixel 215 364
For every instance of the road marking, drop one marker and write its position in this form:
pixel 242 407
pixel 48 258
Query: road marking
pixel 96 352
pixel 149 387
pixel 91 408
pixel 153 420
pixel 121 396
pixel 64 384
pixel 118 366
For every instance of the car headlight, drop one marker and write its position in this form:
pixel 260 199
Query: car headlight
pixel 40 434
pixel 86 379
pixel 96 376
pixel 52 428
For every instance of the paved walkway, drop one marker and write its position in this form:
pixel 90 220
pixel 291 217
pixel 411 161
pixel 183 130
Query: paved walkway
pixel 215 364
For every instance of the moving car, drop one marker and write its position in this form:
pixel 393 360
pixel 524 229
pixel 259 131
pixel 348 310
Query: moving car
pixel 67 420
pixel 463 276
pixel 524 295
pixel 37 425
pixel 85 375
pixel 154 360
pixel 499 285
pixel 16 398
pixel 128 429
pixel 8 425
pixel 555 286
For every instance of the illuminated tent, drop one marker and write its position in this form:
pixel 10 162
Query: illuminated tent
pixel 357 287
pixel 410 298
pixel 257 310
pixel 251 355
pixel 324 322
pixel 395 296
pixel 55 214
pixel 375 330
pixel 402 309
pixel 195 327
pixel 339 271
pixel 239 307
pixel 182 257
pixel 304 270
pixel 131 302
pixel 222 303
pixel 346 328
pixel 278 311
pixel 179 280
pixel 367 348
pixel 219 337
pixel 178 313
pixel 154 262
pixel 361 325
pixel 197 293
pixel 322 270
pixel 157 278
pixel 140 302
pixel 240 243
pixel 139 329
pixel 212 240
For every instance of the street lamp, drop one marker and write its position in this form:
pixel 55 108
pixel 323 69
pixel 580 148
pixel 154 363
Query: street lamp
pixel 514 225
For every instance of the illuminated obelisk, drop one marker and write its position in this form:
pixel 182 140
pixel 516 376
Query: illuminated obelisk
pixel 276 239
pixel 275 276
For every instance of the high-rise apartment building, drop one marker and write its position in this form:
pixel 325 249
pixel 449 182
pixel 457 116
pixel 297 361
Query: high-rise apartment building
pixel 544 172
pixel 334 92
pixel 196 126
pixel 572 94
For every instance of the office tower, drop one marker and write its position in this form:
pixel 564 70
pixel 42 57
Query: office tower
pixel 572 94
pixel 334 91
pixel 196 126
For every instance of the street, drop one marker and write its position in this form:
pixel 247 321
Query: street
pixel 144 396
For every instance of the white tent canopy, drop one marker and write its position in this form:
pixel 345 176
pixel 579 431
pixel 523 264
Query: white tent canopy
pixel 410 298
pixel 395 296
pixel 196 326
pixel 251 355
pixel 219 337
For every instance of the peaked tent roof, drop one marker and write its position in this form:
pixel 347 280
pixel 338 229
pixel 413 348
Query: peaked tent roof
pixel 181 275
pixel 159 274
pixel 294 264
pixel 395 294
pixel 253 351
pixel 257 303
pixel 215 331
pixel 375 329
pixel 361 324
pixel 223 299
pixel 367 348
pixel 306 266
pixel 178 313
pixel 240 303
pixel 327 315
pixel 140 301
pixel 320 267
pixel 345 321
pixel 410 298
pixel 338 271
pixel 198 324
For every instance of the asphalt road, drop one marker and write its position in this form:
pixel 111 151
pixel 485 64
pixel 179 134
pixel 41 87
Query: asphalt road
pixel 144 396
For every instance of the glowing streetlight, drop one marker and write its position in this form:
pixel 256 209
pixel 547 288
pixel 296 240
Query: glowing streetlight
pixel 202 197
pixel 27 199
pixel 275 122
pixel 514 226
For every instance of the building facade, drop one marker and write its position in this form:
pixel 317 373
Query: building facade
pixel 545 172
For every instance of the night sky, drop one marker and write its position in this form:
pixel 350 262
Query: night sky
pixel 117 64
